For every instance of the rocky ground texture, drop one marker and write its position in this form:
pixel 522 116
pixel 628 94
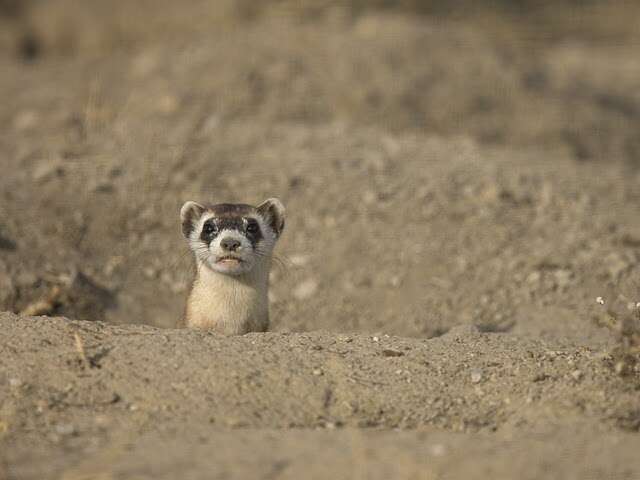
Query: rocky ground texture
pixel 460 189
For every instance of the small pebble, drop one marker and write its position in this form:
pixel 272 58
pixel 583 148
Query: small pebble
pixel 576 374
pixel 391 353
pixel 534 277
pixel 476 376
pixel 41 406
pixel 15 382
pixel 540 377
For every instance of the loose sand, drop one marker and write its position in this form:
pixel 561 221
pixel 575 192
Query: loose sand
pixel 459 192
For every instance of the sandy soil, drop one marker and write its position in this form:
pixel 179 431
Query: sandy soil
pixel 460 190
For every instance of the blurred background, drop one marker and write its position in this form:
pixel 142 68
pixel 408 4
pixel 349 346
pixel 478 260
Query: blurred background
pixel 442 163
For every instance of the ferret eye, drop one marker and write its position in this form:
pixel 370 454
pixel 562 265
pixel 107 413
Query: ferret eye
pixel 209 228
pixel 252 227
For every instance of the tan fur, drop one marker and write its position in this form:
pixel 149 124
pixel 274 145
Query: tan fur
pixel 230 305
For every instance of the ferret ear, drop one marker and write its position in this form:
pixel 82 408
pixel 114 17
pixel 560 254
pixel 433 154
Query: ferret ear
pixel 272 211
pixel 189 214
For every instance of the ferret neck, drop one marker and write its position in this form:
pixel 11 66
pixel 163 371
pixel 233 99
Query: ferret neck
pixel 230 304
pixel 257 277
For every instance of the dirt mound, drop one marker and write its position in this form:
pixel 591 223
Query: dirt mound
pixel 85 387
pixel 464 180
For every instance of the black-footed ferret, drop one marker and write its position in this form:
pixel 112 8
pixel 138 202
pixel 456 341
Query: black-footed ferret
pixel 232 245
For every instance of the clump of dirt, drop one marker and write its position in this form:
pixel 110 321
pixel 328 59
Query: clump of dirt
pixel 624 321
pixel 88 388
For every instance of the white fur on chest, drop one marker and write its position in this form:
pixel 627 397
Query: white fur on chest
pixel 229 305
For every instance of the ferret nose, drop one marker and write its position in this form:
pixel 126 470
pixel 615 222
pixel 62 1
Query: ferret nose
pixel 230 244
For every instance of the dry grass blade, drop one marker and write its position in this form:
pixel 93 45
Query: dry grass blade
pixel 44 306
pixel 80 350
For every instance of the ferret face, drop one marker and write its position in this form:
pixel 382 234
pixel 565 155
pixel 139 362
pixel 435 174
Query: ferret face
pixel 232 238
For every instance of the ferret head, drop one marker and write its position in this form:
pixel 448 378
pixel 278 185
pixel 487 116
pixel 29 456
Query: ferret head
pixel 231 238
